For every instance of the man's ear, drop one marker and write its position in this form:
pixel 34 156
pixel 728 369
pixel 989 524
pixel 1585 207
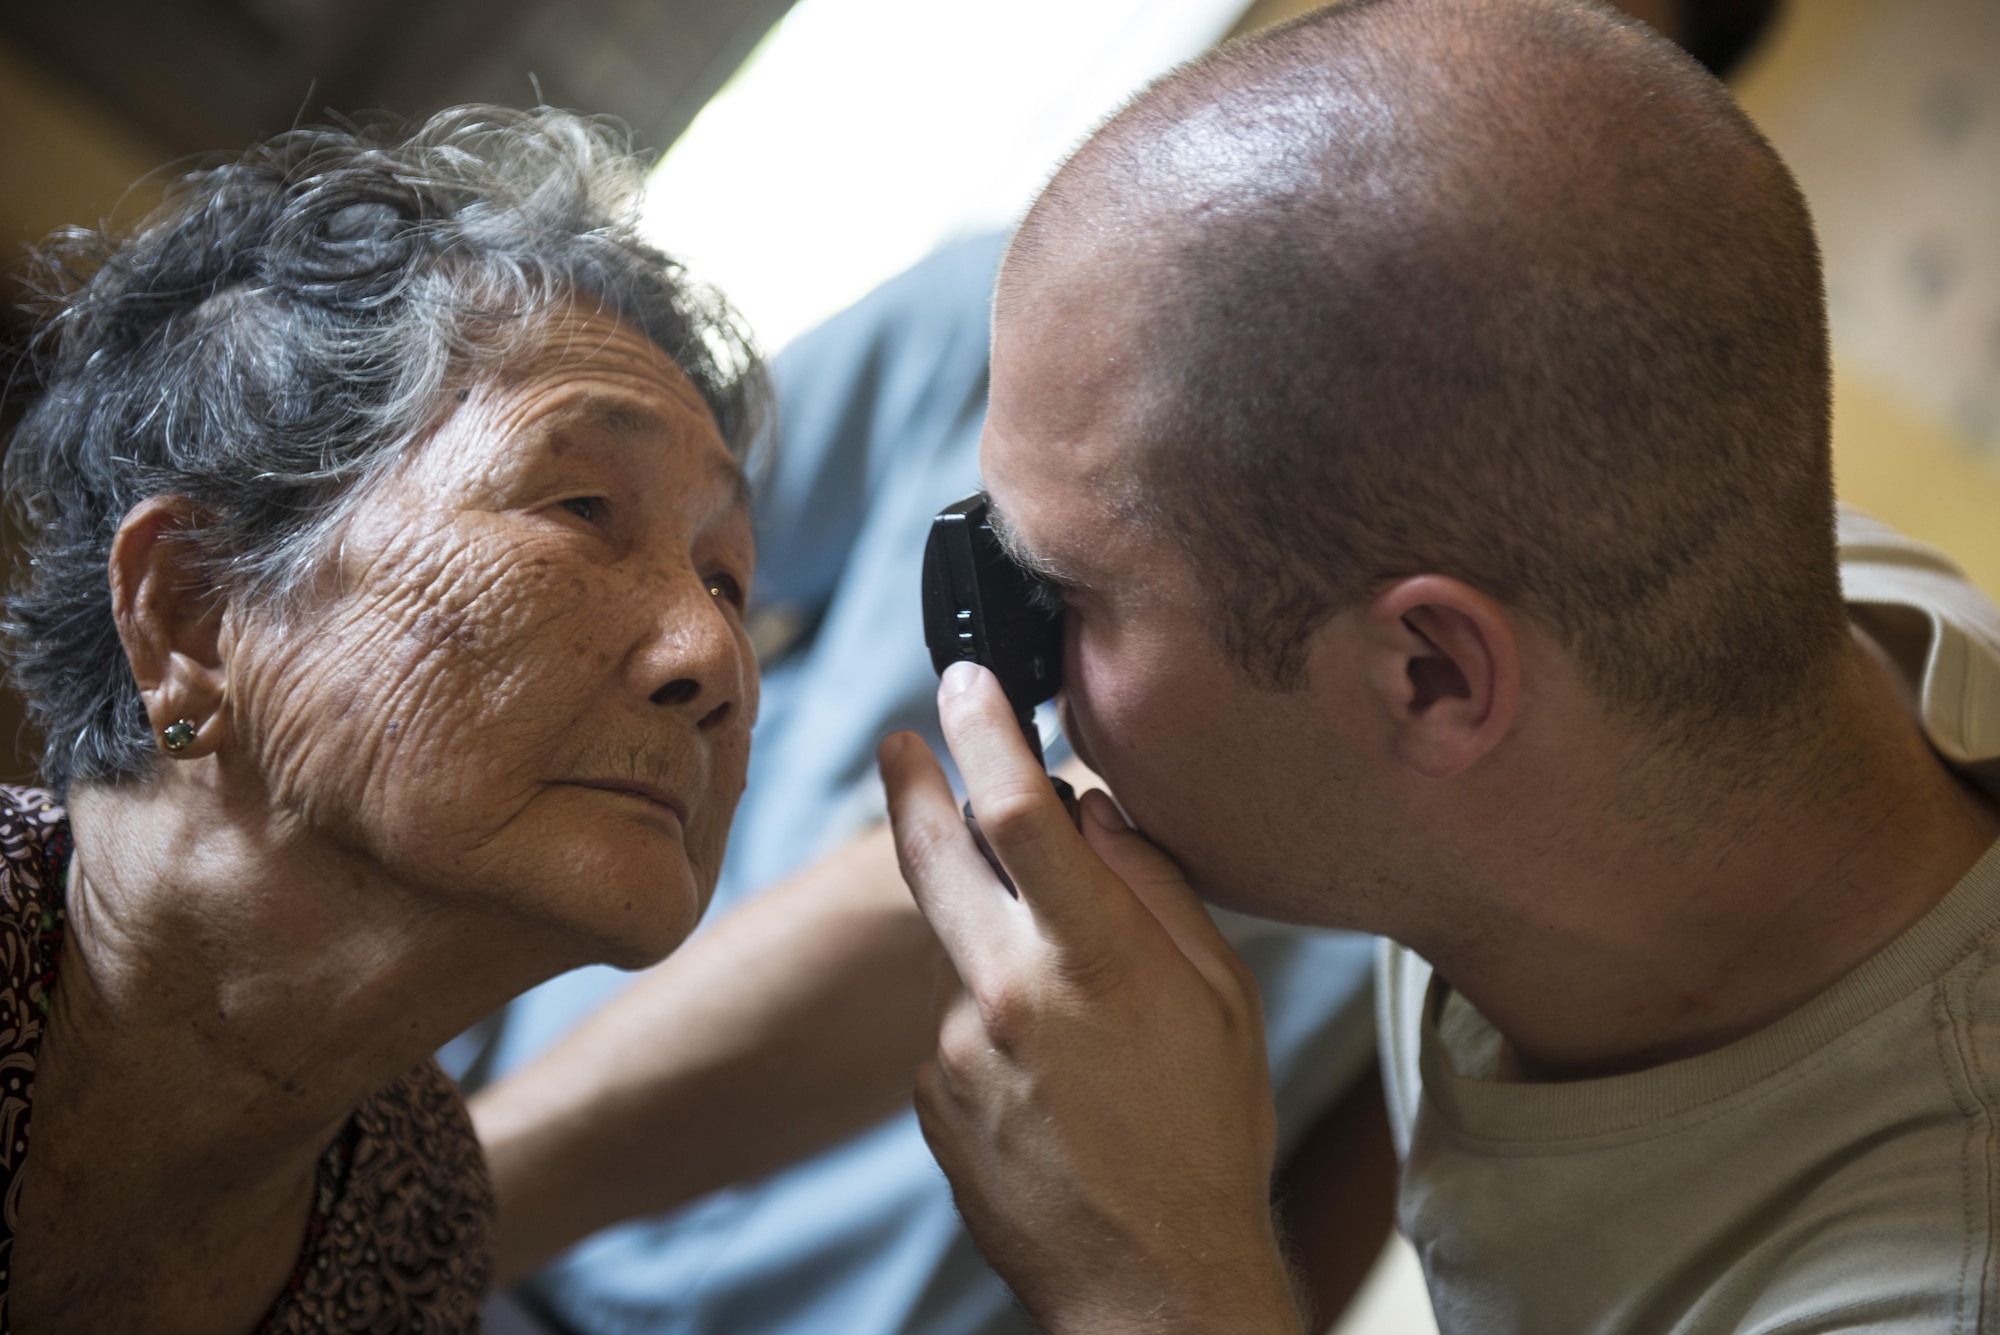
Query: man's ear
pixel 170 622
pixel 1445 669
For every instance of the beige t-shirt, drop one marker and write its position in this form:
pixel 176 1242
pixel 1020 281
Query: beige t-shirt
pixel 1837 1171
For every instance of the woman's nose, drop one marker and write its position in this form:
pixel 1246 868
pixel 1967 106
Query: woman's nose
pixel 695 661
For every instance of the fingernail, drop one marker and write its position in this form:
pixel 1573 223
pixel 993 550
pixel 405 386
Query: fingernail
pixel 1106 813
pixel 892 747
pixel 959 678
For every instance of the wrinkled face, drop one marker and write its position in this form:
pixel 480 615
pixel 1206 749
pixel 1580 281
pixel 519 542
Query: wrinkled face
pixel 524 682
pixel 1237 781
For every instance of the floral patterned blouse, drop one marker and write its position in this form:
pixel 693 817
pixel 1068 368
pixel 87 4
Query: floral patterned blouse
pixel 398 1239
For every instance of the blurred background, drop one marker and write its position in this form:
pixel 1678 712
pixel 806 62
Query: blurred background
pixel 811 150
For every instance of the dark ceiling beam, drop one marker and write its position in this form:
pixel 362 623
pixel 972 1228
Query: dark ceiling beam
pixel 201 75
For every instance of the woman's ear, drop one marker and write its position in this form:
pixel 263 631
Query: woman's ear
pixel 1445 670
pixel 170 622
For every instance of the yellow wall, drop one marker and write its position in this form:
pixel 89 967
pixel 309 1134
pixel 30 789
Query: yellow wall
pixel 62 159
pixel 1911 469
pixel 1263 13
pixel 1895 454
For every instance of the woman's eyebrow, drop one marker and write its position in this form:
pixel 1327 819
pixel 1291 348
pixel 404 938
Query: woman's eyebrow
pixel 617 415
pixel 611 414
pixel 736 479
pixel 1018 551
pixel 623 418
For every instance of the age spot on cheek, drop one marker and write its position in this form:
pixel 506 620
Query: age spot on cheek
pixel 433 630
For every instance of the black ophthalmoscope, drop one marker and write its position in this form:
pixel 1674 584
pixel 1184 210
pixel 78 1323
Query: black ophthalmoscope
pixel 981 606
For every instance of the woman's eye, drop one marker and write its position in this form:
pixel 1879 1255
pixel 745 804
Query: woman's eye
pixel 726 588
pixel 589 509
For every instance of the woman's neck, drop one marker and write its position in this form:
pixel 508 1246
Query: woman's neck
pixel 232 988
pixel 273 971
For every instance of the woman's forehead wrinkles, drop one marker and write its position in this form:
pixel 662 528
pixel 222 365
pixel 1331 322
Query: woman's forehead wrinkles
pixel 598 345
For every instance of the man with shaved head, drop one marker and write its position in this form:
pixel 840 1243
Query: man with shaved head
pixel 1422 410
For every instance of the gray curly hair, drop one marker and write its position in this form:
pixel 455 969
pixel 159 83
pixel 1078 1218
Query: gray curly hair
pixel 270 338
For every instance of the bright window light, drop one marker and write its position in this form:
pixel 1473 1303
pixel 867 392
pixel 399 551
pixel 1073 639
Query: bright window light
pixel 862 134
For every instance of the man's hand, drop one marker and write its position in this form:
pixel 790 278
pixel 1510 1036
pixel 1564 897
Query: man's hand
pixel 1099 1098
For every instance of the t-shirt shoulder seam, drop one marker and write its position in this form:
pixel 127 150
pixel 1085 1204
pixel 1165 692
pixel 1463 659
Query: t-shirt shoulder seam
pixel 1959 1064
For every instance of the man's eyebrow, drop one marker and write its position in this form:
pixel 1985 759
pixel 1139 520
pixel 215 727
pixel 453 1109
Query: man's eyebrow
pixel 1018 551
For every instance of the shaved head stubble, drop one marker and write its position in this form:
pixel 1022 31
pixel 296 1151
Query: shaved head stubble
pixel 1507 290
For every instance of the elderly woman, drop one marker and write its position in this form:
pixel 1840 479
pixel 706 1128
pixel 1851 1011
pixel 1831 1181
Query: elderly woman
pixel 387 547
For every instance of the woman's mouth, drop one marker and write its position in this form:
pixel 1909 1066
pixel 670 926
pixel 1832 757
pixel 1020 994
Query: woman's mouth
pixel 650 793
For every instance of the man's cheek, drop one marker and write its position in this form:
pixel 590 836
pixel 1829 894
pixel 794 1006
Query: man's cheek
pixel 1076 701
pixel 1073 731
pixel 1097 708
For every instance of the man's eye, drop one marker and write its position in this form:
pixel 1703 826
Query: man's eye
pixel 589 509
pixel 726 588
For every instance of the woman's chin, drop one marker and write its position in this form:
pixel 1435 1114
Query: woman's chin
pixel 638 930
pixel 642 950
pixel 641 927
pixel 598 907
pixel 596 890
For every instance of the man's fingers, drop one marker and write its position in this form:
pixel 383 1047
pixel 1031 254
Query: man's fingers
pixel 946 989
pixel 957 892
pixel 1161 886
pixel 1023 820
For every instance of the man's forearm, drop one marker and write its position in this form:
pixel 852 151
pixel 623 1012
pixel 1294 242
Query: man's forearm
pixel 797 1020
